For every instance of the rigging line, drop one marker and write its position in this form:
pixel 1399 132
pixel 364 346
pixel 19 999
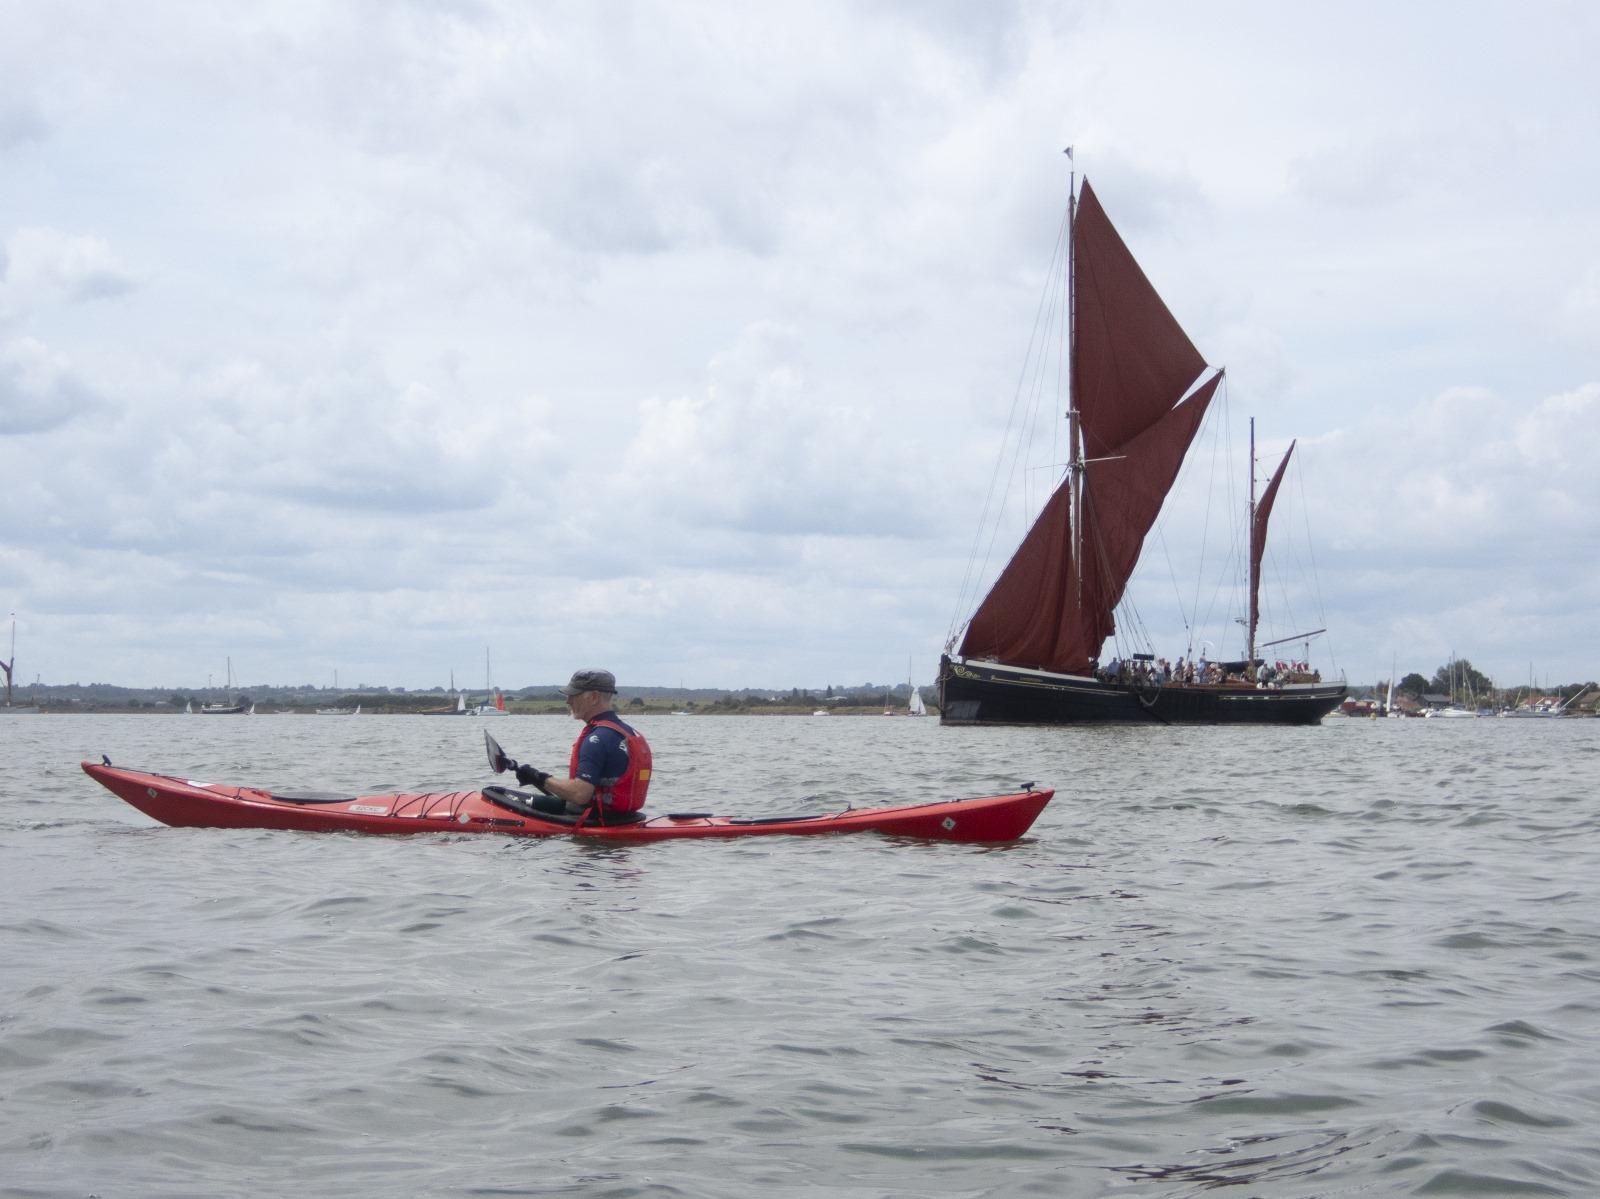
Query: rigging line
pixel 1023 452
pixel 1221 419
pixel 1182 487
pixel 1239 532
pixel 969 581
pixel 1013 430
pixel 1172 576
pixel 1040 393
pixel 1288 553
pixel 1311 553
pixel 1126 605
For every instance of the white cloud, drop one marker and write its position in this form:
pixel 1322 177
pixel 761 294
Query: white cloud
pixel 20 123
pixel 39 391
pixel 40 266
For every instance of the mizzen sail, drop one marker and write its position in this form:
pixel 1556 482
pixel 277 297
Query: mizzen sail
pixel 1258 540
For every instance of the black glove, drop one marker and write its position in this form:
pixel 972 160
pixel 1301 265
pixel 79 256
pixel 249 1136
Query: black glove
pixel 532 776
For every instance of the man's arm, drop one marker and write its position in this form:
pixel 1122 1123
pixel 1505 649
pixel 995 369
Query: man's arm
pixel 576 792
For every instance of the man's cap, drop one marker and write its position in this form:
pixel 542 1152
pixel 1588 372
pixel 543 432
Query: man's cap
pixel 591 680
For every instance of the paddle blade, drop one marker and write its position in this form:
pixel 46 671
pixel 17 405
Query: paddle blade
pixel 498 762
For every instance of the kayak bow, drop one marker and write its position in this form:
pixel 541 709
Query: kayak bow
pixel 186 804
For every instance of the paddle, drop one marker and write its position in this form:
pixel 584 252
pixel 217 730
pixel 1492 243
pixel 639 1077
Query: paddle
pixel 499 760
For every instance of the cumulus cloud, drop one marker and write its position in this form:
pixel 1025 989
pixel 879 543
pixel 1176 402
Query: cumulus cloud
pixel 41 265
pixel 39 390
pixel 20 123
pixel 766 450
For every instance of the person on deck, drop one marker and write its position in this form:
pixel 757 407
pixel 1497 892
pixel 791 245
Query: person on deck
pixel 611 762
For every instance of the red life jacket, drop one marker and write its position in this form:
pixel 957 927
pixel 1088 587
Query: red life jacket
pixel 628 792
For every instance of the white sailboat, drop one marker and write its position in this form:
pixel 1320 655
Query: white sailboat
pixel 494 703
pixel 460 709
pixel 356 711
pixel 916 706
pixel 1456 709
pixel 1388 703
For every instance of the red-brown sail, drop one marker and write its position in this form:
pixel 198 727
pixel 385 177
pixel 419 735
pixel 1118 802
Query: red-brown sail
pixel 1122 496
pixel 1132 364
pixel 1258 539
pixel 1131 360
pixel 1024 618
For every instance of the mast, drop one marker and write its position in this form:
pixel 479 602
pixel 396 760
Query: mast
pixel 1074 440
pixel 1260 513
pixel 12 660
pixel 1255 567
pixel 1135 407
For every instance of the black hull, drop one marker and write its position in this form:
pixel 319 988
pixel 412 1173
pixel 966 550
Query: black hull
pixel 987 693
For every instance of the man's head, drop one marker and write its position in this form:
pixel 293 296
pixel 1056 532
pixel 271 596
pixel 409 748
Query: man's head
pixel 590 692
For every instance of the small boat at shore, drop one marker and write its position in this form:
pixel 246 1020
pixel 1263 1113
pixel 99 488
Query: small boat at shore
pixel 219 710
pixel 7 667
pixel 184 803
pixel 240 706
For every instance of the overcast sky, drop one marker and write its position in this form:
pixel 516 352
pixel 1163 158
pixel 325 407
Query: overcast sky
pixel 679 338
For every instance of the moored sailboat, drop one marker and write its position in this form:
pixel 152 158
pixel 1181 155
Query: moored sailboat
pixel 494 703
pixel 1463 704
pixel 240 706
pixel 6 667
pixel 1138 393
pixel 460 708
pixel 916 707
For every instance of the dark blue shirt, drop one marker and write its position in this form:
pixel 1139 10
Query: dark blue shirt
pixel 602 754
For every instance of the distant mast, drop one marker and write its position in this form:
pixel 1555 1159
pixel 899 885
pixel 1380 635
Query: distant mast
pixel 11 661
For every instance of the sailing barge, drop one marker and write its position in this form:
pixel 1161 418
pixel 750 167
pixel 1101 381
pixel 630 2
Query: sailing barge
pixel 1139 390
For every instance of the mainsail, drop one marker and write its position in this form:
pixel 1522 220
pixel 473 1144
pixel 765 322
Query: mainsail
pixel 1137 407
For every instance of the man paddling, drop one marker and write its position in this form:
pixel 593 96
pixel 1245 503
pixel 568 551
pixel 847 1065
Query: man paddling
pixel 610 766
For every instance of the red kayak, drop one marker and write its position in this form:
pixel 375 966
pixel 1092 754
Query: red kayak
pixel 186 804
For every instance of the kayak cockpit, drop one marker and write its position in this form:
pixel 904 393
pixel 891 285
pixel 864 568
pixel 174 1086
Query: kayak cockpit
pixel 521 802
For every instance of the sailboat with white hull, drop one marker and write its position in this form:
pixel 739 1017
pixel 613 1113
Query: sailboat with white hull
pixel 1139 389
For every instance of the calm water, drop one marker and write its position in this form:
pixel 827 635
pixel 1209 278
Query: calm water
pixel 1361 959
